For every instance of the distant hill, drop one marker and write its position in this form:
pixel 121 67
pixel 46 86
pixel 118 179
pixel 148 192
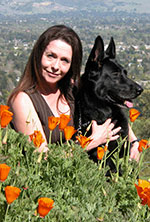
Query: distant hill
pixel 28 7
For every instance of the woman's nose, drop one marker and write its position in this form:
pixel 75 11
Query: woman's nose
pixel 55 65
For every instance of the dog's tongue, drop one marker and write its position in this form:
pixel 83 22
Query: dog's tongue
pixel 128 104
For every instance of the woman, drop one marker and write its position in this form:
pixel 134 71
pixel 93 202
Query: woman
pixel 46 87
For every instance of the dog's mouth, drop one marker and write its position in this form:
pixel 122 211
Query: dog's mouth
pixel 128 104
pixel 120 102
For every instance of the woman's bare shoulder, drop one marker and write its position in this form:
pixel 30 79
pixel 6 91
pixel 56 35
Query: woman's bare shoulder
pixel 22 100
pixel 21 96
pixel 22 105
pixel 23 110
pixel 25 118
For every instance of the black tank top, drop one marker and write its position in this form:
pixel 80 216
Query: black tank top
pixel 44 112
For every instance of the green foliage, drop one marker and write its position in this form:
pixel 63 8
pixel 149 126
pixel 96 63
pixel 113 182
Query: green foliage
pixel 79 187
pixel 145 171
pixel 142 125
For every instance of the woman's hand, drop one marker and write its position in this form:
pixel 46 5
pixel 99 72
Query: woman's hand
pixel 102 133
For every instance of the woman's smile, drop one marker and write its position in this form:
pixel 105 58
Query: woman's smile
pixel 52 74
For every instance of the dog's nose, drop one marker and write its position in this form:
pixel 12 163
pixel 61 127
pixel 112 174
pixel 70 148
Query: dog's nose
pixel 139 90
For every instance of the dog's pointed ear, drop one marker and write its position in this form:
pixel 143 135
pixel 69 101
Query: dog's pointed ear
pixel 111 50
pixel 97 52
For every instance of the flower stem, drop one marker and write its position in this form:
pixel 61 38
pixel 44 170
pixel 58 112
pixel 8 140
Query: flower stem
pixel 0 186
pixel 141 161
pixel 117 167
pixel 4 140
pixel 50 137
pixel 0 138
pixel 88 128
pixel 6 212
pixel 100 164
pixel 68 143
pixel 61 143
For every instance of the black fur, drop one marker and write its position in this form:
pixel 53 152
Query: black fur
pixel 104 89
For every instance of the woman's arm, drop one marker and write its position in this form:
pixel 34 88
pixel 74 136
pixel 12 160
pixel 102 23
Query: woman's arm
pixel 25 118
pixel 134 153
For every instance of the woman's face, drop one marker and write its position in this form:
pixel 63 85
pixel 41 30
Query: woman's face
pixel 56 61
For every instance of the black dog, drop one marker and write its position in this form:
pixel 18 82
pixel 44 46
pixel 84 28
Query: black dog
pixel 105 88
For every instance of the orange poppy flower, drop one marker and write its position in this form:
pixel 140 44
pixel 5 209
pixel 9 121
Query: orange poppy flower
pixel 4 171
pixel 100 153
pixel 11 193
pixel 143 144
pixel 5 116
pixel 69 131
pixel 83 140
pixel 133 114
pixel 64 120
pixel 45 204
pixel 143 190
pixel 53 122
pixel 37 138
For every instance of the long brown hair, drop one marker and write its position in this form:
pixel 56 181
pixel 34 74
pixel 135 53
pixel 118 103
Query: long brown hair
pixel 32 74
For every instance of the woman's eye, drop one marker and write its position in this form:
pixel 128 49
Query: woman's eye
pixel 65 60
pixel 50 56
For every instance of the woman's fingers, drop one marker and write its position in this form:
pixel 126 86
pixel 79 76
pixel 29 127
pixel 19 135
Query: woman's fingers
pixel 110 124
pixel 111 130
pixel 107 122
pixel 113 134
pixel 116 130
pixel 114 137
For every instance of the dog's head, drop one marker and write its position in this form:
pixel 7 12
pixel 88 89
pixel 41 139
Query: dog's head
pixel 107 77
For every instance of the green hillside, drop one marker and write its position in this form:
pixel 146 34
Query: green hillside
pixel 20 7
